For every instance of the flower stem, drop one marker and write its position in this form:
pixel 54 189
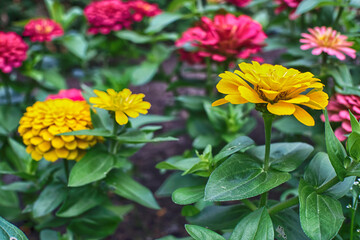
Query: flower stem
pixel 327 185
pixel 353 212
pixel 268 119
pixel 249 204
pixel 66 169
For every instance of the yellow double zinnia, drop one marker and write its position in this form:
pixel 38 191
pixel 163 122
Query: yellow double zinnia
pixel 282 90
pixel 123 103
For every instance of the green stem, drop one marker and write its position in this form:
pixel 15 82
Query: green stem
pixel 268 119
pixel 209 87
pixel 249 204
pixel 66 169
pixel 114 143
pixel 327 185
pixel 341 10
pixel 283 205
pixel 352 223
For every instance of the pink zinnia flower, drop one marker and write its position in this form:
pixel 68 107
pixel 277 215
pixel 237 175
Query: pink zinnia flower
pixel 108 15
pixel 225 37
pixel 72 93
pixel 239 3
pixel 143 9
pixel 325 39
pixel 288 4
pixel 12 51
pixel 338 111
pixel 42 30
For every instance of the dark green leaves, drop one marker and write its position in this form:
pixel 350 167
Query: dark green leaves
pixel 335 149
pixel 255 226
pixel 320 215
pixel 200 233
pixel 241 176
pixel 9 231
pixel 240 143
pixel 188 195
pixel 160 21
pixel 50 198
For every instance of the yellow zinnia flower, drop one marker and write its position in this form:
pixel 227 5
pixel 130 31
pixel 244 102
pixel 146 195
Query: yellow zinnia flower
pixel 280 89
pixel 44 120
pixel 123 103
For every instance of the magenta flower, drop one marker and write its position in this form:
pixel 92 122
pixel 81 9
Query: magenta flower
pixel 42 30
pixel 338 111
pixel 227 37
pixel 12 51
pixel 288 4
pixel 72 93
pixel 143 9
pixel 325 39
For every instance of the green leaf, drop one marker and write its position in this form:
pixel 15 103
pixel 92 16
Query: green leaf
pixel 9 199
pixel 133 36
pixel 342 75
pixel 144 73
pixel 9 231
pixel 287 225
pixel 285 157
pixel 220 217
pixel 76 44
pixel 241 176
pixel 5 168
pixel 255 226
pixel 95 224
pixel 49 199
pixel 335 149
pixel 56 10
pixel 53 77
pixel 355 125
pixel 200 233
pixel 188 195
pixel 321 216
pixel 320 171
pixel 26 187
pixel 89 132
pixel 149 119
pixel 352 145
pixel 94 166
pixel 308 5
pixel 71 16
pixel 80 200
pixel 162 20
pixel 239 144
pixel 137 136
pixel 20 158
pixel 126 187
pixel 49 234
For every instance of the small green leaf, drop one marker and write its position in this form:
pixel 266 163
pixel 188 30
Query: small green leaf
pixel 200 233
pixel 308 5
pixel 126 187
pixel 9 231
pixel 26 187
pixel 144 73
pixel 133 36
pixel 287 225
pixel 94 166
pixel 149 119
pixel 352 145
pixel 49 199
pixel 76 44
pixel 54 78
pixel 239 144
pixel 241 176
pixel 355 125
pixel 335 149
pixel 49 234
pixel 162 20
pixel 188 195
pixel 320 215
pixel 255 226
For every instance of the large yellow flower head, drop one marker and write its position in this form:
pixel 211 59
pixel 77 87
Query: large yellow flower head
pixel 42 121
pixel 123 103
pixel 280 89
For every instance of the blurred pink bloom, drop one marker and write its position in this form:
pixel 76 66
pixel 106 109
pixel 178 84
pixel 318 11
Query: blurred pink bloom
pixel 143 9
pixel 42 30
pixel 239 3
pixel 72 93
pixel 227 37
pixel 325 39
pixel 12 51
pixel 108 15
pixel 338 111
pixel 288 4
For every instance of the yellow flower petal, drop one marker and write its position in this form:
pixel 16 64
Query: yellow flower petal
pixel 303 116
pixel 250 95
pixel 235 99
pixel 297 99
pixel 44 146
pixel 131 113
pixel 57 142
pixel 51 156
pixel 36 156
pixel 281 108
pixel 270 94
pixel 219 102
pixel 62 152
pixel 121 118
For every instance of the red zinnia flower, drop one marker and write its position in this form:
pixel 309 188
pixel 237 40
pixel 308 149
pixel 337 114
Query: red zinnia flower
pixel 72 93
pixel 325 39
pixel 107 15
pixel 42 30
pixel 12 51
pixel 225 37
pixel 288 4
pixel 338 111
pixel 143 9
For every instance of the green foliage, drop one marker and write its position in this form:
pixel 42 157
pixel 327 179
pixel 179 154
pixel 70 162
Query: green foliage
pixel 9 231
pixel 199 233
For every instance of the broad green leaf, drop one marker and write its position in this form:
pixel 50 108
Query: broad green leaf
pixel 144 73
pixel 162 20
pixel 188 195
pixel 137 136
pixel 200 233
pixel 189 211
pixel 255 226
pixel 320 171
pixel 174 238
pixel 320 215
pixel 9 231
pixel 95 224
pixel 335 149
pixel 284 157
pixel 308 5
pixel 149 119
pixel 353 145
pixel 133 36
pixel 287 225
pixel 20 158
pixel 9 118
pixel 241 176
pixel 127 187
pixel 94 166
pixel 355 125
pixel 176 181
pixel 71 15
pixel 26 187
pixel 239 144
pixel 342 75
pixel 49 234
pixel 80 200
pixel 290 125
pixel 49 199
pixel 56 10
pixel 9 199
pixel 355 171
pixel 5 168
pixel 178 163
pixel 220 217
pixel 89 132
pixel 53 77
pixel 122 210
pixel 76 44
